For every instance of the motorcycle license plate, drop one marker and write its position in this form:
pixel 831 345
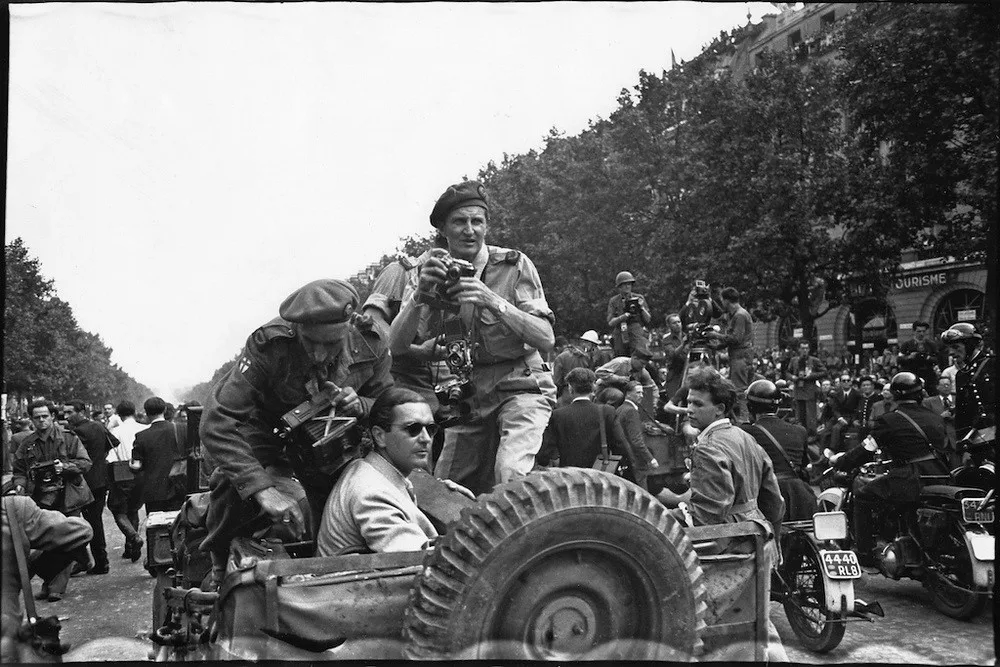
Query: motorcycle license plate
pixel 841 564
pixel 971 513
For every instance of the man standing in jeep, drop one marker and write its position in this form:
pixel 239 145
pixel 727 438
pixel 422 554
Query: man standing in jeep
pixel 318 349
pixel 490 304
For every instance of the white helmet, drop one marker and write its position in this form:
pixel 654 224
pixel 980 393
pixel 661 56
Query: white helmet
pixel 591 337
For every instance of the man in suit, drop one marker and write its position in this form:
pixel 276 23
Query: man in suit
pixel 944 404
pixel 153 454
pixel 98 442
pixel 573 435
pixel 372 508
pixel 639 456
pixel 802 372
pixel 844 402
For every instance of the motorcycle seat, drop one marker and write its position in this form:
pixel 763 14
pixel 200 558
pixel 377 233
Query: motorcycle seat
pixel 950 492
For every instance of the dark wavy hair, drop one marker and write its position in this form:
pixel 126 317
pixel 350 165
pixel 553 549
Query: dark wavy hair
pixel 381 413
pixel 721 390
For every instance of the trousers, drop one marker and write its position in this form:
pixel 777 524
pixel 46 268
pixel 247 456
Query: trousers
pixel 94 514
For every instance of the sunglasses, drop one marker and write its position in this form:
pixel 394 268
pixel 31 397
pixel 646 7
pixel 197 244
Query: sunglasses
pixel 414 429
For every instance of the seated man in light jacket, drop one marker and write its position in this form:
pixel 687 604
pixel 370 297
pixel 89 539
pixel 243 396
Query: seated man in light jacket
pixel 372 507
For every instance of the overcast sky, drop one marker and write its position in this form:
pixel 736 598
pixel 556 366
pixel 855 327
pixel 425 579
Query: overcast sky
pixel 180 168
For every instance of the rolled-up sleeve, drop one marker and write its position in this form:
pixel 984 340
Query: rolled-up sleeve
pixel 528 293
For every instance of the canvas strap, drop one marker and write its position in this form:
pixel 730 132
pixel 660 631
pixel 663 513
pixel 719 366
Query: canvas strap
pixel 21 554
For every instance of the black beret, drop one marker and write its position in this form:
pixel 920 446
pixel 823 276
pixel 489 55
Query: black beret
pixel 469 193
pixel 325 301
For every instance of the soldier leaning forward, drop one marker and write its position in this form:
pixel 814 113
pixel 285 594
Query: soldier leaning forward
pixel 317 344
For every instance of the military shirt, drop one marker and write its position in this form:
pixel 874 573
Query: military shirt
pixel 732 478
pixel 791 440
pixel 268 380
pixel 55 444
pixel 512 276
pixel 634 331
pixel 394 282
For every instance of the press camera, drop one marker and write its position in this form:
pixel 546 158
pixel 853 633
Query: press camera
pixel 455 270
pixel 454 393
pixel 323 442
pixel 44 475
pixel 633 306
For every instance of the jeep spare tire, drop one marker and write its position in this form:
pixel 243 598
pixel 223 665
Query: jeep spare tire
pixel 567 563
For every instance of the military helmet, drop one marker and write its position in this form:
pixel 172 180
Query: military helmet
pixel 906 386
pixel 624 277
pixel 764 394
pixel 960 332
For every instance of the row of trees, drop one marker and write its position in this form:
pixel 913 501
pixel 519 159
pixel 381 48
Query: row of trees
pixel 787 183
pixel 45 352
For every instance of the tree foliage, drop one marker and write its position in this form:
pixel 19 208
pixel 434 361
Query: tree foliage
pixel 45 352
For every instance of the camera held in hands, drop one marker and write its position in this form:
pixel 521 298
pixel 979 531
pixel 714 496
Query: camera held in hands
pixel 633 306
pixel 455 269
pixel 45 477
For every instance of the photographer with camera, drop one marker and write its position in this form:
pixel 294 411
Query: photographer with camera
pixel 738 340
pixel 316 356
pixel 486 304
pixel 698 311
pixel 628 315
pixel 48 466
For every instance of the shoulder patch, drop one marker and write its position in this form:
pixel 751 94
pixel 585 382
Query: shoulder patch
pixel 406 263
pixel 512 257
pixel 276 328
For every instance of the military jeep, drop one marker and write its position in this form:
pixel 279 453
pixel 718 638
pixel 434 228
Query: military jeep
pixel 565 563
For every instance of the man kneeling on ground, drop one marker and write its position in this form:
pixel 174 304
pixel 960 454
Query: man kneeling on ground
pixel 372 507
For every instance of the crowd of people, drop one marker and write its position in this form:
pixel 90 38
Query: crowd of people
pixel 462 338
pixel 74 461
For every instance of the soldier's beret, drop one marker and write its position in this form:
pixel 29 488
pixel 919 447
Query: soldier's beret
pixel 326 301
pixel 468 193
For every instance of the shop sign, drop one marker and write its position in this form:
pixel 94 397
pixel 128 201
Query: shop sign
pixel 923 281
pixel 868 346
pixel 797 332
pixel 892 341
pixel 967 315
pixel 826 337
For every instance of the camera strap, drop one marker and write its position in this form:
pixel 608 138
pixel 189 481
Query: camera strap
pixel 21 554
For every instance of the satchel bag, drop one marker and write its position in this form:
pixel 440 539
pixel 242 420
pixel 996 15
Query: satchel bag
pixel 77 494
pixel 177 477
pixel 607 462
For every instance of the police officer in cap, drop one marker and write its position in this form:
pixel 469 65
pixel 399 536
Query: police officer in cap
pixel 975 382
pixel 317 346
pixel 628 315
pixel 909 436
pixel 785 444
pixel 503 314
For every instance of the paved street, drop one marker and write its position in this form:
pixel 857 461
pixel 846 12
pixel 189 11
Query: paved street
pixel 108 618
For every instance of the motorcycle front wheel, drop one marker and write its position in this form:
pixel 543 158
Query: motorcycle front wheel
pixel 818 629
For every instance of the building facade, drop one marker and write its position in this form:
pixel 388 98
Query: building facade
pixel 939 291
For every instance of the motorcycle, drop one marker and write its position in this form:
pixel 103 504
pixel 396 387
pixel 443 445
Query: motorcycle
pixel 946 540
pixel 814 581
